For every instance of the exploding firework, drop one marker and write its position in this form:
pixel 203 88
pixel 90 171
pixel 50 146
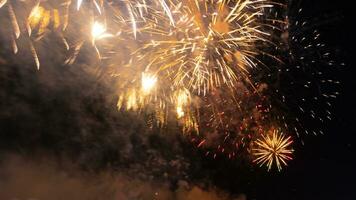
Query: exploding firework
pixel 273 150
pixel 70 21
pixel 203 53
pixel 202 45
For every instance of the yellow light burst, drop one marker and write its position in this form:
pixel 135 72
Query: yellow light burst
pixel 132 101
pixel 273 149
pixel 36 15
pixel 148 82
pixel 41 19
pixel 99 31
pixel 180 112
pixel 181 99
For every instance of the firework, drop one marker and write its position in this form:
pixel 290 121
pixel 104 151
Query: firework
pixel 68 20
pixel 203 53
pixel 200 45
pixel 273 150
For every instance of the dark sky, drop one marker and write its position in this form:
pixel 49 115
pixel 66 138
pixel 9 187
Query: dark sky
pixel 47 104
pixel 325 167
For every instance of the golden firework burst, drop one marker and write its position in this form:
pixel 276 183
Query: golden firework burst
pixel 200 45
pixel 273 149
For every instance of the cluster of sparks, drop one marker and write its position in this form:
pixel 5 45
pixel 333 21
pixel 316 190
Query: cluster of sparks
pixel 273 149
pixel 193 58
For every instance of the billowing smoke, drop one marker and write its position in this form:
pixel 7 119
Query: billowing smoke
pixel 62 137
pixel 43 178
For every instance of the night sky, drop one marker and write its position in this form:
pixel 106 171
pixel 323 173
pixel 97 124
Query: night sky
pixel 66 118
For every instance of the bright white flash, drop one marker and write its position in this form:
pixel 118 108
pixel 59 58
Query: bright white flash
pixel 98 31
pixel 148 82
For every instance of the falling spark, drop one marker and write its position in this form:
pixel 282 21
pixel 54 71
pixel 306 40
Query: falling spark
pixel 133 20
pixel 168 11
pixel 35 56
pixel 15 25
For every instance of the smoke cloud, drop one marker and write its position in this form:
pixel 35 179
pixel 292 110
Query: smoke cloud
pixel 43 179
